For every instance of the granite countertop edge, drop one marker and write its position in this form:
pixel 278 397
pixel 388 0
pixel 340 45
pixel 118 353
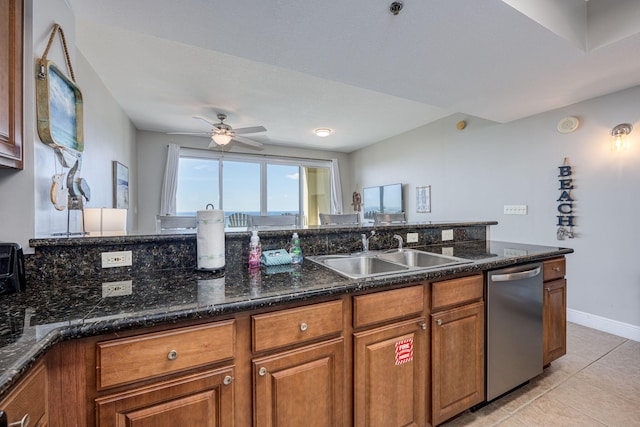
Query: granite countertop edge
pixel 9 375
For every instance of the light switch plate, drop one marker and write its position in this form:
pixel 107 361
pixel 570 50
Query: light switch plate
pixel 447 235
pixel 412 237
pixel 515 209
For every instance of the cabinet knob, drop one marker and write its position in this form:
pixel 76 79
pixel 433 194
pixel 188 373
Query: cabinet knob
pixel 172 355
pixel 24 422
pixel 547 289
pixel 439 322
pixel 303 327
pixel 227 380
pixel 423 325
pixel 556 269
pixel 262 372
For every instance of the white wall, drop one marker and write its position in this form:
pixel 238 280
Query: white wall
pixel 109 135
pixel 152 157
pixel 476 171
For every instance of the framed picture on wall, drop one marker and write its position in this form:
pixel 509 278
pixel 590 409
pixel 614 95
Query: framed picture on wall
pixel 120 185
pixel 423 199
pixel 59 110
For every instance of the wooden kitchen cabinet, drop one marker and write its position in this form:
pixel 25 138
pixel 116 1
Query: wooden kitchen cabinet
pixel 554 306
pixel 457 347
pixel 390 359
pixel 204 399
pixel 302 380
pixel 390 375
pixel 301 387
pixel 28 399
pixel 201 398
pixel 11 72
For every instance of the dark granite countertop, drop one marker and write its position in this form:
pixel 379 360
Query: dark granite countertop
pixel 52 311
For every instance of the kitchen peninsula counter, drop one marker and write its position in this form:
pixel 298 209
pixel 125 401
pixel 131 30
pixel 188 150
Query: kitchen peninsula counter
pixel 54 310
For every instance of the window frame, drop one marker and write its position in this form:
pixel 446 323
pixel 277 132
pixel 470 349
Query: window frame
pixel 263 160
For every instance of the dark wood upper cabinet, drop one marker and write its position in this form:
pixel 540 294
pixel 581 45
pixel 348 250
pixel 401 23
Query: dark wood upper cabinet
pixel 11 77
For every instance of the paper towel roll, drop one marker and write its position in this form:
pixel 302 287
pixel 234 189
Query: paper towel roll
pixel 210 239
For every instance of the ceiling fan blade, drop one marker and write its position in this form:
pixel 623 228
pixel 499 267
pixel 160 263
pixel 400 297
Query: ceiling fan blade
pixel 247 141
pixel 204 119
pixel 188 133
pixel 253 129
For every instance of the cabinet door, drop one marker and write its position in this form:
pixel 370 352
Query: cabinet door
pixel 390 375
pixel 28 399
pixel 303 387
pixel 457 366
pixel 204 400
pixel 11 83
pixel 554 323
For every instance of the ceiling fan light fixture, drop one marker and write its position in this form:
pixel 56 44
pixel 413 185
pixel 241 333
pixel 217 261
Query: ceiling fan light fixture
pixel 323 132
pixel 221 138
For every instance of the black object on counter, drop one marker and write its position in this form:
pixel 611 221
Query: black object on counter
pixel 12 278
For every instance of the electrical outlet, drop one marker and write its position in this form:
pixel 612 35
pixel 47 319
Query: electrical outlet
pixel 447 235
pixel 116 259
pixel 412 237
pixel 447 250
pixel 117 289
pixel 515 209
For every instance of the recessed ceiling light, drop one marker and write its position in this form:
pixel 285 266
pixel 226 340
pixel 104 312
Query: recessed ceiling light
pixel 323 132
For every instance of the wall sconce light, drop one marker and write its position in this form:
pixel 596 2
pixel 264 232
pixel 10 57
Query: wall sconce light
pixel 619 136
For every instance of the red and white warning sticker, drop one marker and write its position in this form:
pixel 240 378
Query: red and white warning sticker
pixel 404 351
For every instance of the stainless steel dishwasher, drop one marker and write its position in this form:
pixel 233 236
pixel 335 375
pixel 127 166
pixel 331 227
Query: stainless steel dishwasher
pixel 514 327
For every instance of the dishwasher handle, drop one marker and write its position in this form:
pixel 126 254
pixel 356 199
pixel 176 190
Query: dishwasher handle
pixel 516 276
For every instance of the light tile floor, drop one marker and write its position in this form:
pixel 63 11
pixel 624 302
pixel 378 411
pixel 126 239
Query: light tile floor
pixel 597 383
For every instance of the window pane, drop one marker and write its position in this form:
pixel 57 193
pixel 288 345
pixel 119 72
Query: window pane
pixel 283 189
pixel 197 185
pixel 241 187
pixel 317 193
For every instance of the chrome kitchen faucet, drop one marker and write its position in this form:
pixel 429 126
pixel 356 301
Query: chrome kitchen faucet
pixel 365 241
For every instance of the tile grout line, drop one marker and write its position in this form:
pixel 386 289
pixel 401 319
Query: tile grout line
pixel 553 387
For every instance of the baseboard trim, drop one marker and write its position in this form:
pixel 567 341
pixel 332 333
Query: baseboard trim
pixel 615 327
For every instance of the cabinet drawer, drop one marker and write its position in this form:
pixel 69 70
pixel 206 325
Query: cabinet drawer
pixel 456 291
pixel 29 397
pixel 127 360
pixel 387 305
pixel 296 325
pixel 554 269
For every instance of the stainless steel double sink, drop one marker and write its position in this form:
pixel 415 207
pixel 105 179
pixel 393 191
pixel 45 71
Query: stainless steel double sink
pixel 371 264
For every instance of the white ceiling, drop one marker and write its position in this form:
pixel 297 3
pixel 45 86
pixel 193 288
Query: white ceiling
pixel 293 65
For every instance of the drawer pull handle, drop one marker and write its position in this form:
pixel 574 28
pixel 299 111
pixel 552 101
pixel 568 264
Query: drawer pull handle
pixel 423 325
pixel 439 322
pixel 303 327
pixel 24 422
pixel 173 355
pixel 556 269
pixel 262 372
pixel 227 380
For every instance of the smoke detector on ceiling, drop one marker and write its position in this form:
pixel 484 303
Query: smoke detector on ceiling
pixel 568 124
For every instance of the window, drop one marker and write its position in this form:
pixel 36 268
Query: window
pixel 255 185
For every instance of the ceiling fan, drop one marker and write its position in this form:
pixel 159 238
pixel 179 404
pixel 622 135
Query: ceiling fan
pixel 222 134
